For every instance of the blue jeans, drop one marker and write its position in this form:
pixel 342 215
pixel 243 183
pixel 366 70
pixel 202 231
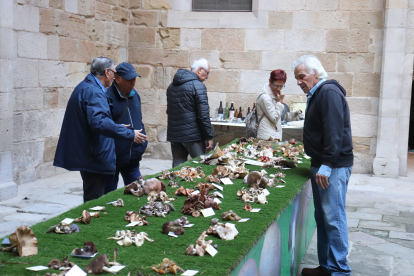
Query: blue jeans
pixel 129 173
pixel 331 225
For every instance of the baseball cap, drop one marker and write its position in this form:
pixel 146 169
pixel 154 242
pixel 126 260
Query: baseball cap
pixel 127 71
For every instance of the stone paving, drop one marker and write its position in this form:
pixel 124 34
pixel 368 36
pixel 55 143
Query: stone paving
pixel 380 215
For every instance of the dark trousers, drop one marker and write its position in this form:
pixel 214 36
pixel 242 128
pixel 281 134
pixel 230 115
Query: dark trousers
pixel 93 185
pixel 180 151
pixel 129 173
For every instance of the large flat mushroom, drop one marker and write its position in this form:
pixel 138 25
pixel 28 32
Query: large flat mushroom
pixel 25 241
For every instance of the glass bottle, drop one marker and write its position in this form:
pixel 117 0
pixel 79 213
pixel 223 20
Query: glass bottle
pixel 248 111
pixel 220 111
pixel 231 111
pixel 226 111
pixel 236 114
pixel 240 113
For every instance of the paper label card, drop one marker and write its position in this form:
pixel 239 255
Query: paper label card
pixel 116 268
pixel 195 192
pixel 189 273
pixel 300 162
pixel 208 212
pixel 6 241
pixel 171 234
pixel 188 225
pixel 306 156
pixel 37 268
pixel 282 180
pixel 135 223
pixel 218 187
pixel 243 220
pixel 226 181
pixel 280 186
pixel 195 162
pixel 255 210
pixel 272 176
pixel 219 194
pixel 75 271
pixel 286 168
pixel 112 202
pixel 211 250
pixel 266 192
pixel 230 224
pixel 67 221
pixel 96 208
pixel 217 200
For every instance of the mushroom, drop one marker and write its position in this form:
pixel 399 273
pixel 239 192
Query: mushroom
pixel 95 214
pixel 96 265
pixel 89 249
pixel 25 241
pixel 226 232
pixel 200 250
pixel 190 250
pixel 118 203
pixel 263 181
pixel 54 264
pixel 195 214
pixel 154 184
pixel 166 227
pixel 214 221
pixel 179 231
pixel 247 207
pixel 85 218
pixel 253 179
pixel 230 215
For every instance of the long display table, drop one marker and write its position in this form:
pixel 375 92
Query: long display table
pixel 272 242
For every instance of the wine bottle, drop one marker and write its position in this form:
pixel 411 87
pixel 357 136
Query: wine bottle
pixel 248 111
pixel 220 111
pixel 254 106
pixel 236 114
pixel 240 113
pixel 226 111
pixel 231 111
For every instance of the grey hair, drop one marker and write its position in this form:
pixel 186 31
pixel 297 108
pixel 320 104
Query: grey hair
pixel 100 64
pixel 201 62
pixel 312 65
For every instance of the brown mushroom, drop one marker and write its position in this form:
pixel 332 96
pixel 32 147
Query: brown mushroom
pixel 167 226
pixel 154 184
pixel 85 218
pixel 179 231
pixel 89 249
pixel 253 179
pixel 96 265
pixel 196 214
pixel 95 214
pixel 200 250
pixel 54 264
pixel 189 250
pixel 25 241
pixel 247 207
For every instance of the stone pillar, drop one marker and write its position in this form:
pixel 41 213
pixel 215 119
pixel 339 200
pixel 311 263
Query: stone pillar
pixel 8 187
pixel 391 155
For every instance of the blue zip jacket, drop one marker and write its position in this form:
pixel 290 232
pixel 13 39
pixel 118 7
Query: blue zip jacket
pixel 127 152
pixel 85 142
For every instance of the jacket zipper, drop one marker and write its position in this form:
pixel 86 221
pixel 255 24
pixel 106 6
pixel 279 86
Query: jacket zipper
pixel 132 124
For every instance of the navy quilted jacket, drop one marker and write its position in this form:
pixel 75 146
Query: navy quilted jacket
pixel 187 109
pixel 85 142
pixel 127 152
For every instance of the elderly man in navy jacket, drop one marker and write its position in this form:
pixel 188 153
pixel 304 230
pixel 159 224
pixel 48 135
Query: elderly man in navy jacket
pixel 126 110
pixel 86 141
pixel 327 139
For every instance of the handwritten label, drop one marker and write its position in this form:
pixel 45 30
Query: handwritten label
pixel 230 224
pixel 171 234
pixel 243 220
pixel 112 202
pixel 195 162
pixel 255 210
pixel 37 268
pixel 282 180
pixel 189 273
pixel 218 187
pixel 218 194
pixel 280 186
pixel 217 200
pixel 208 212
pixel 286 168
pixel 97 208
pixel 135 223
pixel 116 268
pixel 188 225
pixel 266 192
pixel 211 250
pixel 226 181
pixel 67 221
pixel 75 271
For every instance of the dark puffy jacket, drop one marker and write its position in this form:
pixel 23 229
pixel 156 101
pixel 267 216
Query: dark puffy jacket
pixel 187 109
pixel 127 152
pixel 327 133
pixel 85 142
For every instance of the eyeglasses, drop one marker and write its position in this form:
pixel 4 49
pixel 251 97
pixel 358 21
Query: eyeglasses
pixel 278 86
pixel 111 70
pixel 205 71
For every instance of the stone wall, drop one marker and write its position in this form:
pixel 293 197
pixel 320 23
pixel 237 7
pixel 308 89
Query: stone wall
pixel 346 35
pixel 54 44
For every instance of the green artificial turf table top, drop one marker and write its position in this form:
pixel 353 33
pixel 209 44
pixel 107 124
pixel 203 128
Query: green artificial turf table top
pixel 57 246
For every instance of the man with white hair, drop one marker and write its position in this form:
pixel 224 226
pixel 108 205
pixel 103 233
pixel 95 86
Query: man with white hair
pixel 328 140
pixel 189 128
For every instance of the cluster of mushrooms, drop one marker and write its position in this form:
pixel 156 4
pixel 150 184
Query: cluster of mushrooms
pixel 127 238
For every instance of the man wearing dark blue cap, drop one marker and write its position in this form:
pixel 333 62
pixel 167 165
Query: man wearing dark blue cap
pixel 127 111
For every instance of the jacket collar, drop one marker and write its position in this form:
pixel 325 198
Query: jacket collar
pixel 268 91
pixel 130 94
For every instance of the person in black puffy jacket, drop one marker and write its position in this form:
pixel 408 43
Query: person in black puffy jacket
pixel 86 141
pixel 127 111
pixel 189 128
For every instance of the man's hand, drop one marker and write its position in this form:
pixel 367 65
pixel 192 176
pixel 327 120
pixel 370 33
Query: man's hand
pixel 139 137
pixel 322 181
pixel 126 125
pixel 209 145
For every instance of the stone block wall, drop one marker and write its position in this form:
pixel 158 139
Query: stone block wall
pixel 54 42
pixel 347 38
